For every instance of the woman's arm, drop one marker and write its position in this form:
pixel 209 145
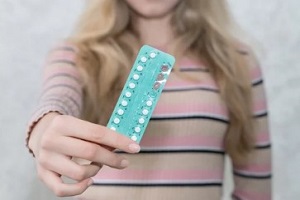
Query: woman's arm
pixel 253 180
pixel 62 86
pixel 56 135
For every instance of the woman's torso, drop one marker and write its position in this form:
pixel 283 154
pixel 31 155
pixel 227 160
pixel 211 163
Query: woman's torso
pixel 182 152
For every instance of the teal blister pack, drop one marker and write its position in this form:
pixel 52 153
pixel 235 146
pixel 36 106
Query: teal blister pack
pixel 141 92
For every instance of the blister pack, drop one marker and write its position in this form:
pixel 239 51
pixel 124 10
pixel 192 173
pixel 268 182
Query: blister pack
pixel 141 92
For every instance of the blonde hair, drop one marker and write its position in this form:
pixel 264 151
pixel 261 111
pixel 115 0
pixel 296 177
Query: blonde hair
pixel 203 28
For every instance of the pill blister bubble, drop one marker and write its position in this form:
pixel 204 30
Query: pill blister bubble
pixel 120 112
pixel 141 120
pixel 136 77
pixel 156 85
pixel 137 129
pixel 139 68
pixel 160 77
pixel 143 59
pixel 116 120
pixel 149 103
pixel 124 103
pixel 152 55
pixel 134 138
pixel 164 68
pixel 145 112
pixel 131 85
pixel 128 94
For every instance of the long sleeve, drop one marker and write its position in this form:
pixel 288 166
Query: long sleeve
pixel 253 180
pixel 62 85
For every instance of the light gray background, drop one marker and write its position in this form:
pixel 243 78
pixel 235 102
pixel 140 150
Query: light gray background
pixel 29 28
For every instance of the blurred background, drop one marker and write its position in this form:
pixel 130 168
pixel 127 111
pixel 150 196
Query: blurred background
pixel 29 28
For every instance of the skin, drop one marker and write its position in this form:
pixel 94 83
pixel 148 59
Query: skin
pixel 151 19
pixel 152 9
pixel 56 138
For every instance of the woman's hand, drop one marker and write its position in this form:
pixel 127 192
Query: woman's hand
pixel 57 138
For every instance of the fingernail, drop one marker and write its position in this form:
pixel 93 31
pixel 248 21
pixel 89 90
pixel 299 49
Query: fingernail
pixel 124 163
pixel 90 182
pixel 134 148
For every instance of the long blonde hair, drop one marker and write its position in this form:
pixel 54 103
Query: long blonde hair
pixel 203 28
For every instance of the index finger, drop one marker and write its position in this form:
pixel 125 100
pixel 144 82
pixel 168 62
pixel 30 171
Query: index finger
pixel 95 133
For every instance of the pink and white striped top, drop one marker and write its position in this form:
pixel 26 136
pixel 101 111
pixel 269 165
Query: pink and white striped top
pixel 182 155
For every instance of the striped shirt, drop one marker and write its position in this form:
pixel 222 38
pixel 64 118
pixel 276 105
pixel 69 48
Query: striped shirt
pixel 182 152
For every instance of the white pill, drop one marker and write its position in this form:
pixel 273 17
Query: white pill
pixel 136 77
pixel 137 129
pixel 139 68
pixel 149 103
pixel 152 55
pixel 128 94
pixel 113 128
pixel 124 103
pixel 134 138
pixel 141 120
pixel 116 120
pixel 143 59
pixel 145 112
pixel 131 85
pixel 120 112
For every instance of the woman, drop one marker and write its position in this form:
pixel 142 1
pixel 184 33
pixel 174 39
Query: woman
pixel 213 103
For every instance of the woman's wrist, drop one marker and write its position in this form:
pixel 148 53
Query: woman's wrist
pixel 39 129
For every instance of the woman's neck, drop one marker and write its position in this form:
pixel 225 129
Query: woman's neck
pixel 156 32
